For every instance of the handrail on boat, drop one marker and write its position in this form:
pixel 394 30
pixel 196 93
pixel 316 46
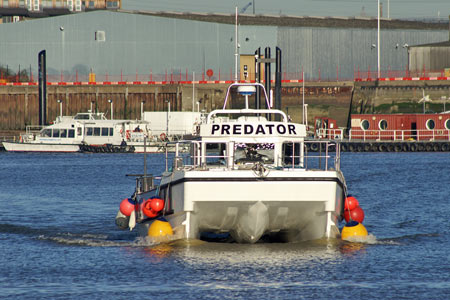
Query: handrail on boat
pixel 247 110
pixel 327 157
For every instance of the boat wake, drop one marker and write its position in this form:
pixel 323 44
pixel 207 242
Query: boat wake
pixel 410 238
pixel 102 240
pixel 368 239
pixel 77 239
pixel 400 240
pixel 90 240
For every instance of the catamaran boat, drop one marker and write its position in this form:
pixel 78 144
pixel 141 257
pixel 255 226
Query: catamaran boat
pixel 87 132
pixel 248 175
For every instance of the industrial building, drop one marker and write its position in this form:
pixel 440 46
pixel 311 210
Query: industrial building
pixel 128 45
pixel 12 11
pixel 434 56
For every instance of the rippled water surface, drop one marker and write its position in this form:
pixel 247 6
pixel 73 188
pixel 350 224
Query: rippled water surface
pixel 58 239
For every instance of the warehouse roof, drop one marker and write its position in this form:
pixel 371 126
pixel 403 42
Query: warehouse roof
pixel 298 21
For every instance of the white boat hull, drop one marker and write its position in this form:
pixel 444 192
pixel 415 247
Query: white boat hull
pixel 39 147
pixel 248 176
pixel 290 208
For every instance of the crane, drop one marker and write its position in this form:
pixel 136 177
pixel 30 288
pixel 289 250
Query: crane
pixel 245 7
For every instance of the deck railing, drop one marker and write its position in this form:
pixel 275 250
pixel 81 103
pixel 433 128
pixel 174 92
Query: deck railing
pixel 308 155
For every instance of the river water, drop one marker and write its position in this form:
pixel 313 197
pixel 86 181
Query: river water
pixel 58 239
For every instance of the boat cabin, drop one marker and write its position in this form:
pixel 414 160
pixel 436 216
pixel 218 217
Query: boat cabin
pixel 241 138
pixel 326 128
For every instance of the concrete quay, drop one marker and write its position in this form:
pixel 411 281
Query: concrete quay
pixel 338 100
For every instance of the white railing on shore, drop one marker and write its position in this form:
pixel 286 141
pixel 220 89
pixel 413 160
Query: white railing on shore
pixel 400 135
pixel 385 135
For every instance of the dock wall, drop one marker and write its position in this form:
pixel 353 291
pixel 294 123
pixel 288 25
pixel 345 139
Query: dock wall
pixel 19 103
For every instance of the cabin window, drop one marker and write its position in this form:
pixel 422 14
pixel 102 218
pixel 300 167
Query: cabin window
pixel 166 194
pixel 96 131
pixel 383 125
pixel 111 131
pixel 46 133
pixel 365 125
pixel 72 133
pixel 63 133
pixel 447 124
pixel 216 154
pixel 291 154
pixel 430 124
pixel 79 131
pixel 89 131
pixel 55 133
pixel 82 117
pixel 254 152
pixel 105 131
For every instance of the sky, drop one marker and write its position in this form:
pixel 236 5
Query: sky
pixel 395 9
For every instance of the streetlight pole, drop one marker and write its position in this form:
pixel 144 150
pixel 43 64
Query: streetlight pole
pixel 236 54
pixel 112 108
pixel 168 113
pixel 378 7
pixel 303 98
pixel 142 110
pixel 389 16
pixel 62 51
pixel 193 90
pixel 60 108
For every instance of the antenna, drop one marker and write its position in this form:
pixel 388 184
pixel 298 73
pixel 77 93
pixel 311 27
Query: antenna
pixel 236 48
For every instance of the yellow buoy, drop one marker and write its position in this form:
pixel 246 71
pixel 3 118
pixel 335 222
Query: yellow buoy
pixel 353 229
pixel 160 228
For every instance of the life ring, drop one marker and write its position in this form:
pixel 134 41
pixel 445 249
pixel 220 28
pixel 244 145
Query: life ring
pixel 162 136
pixel 127 135
pixel 21 139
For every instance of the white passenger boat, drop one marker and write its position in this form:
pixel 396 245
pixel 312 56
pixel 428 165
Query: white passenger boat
pixel 87 132
pixel 248 175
